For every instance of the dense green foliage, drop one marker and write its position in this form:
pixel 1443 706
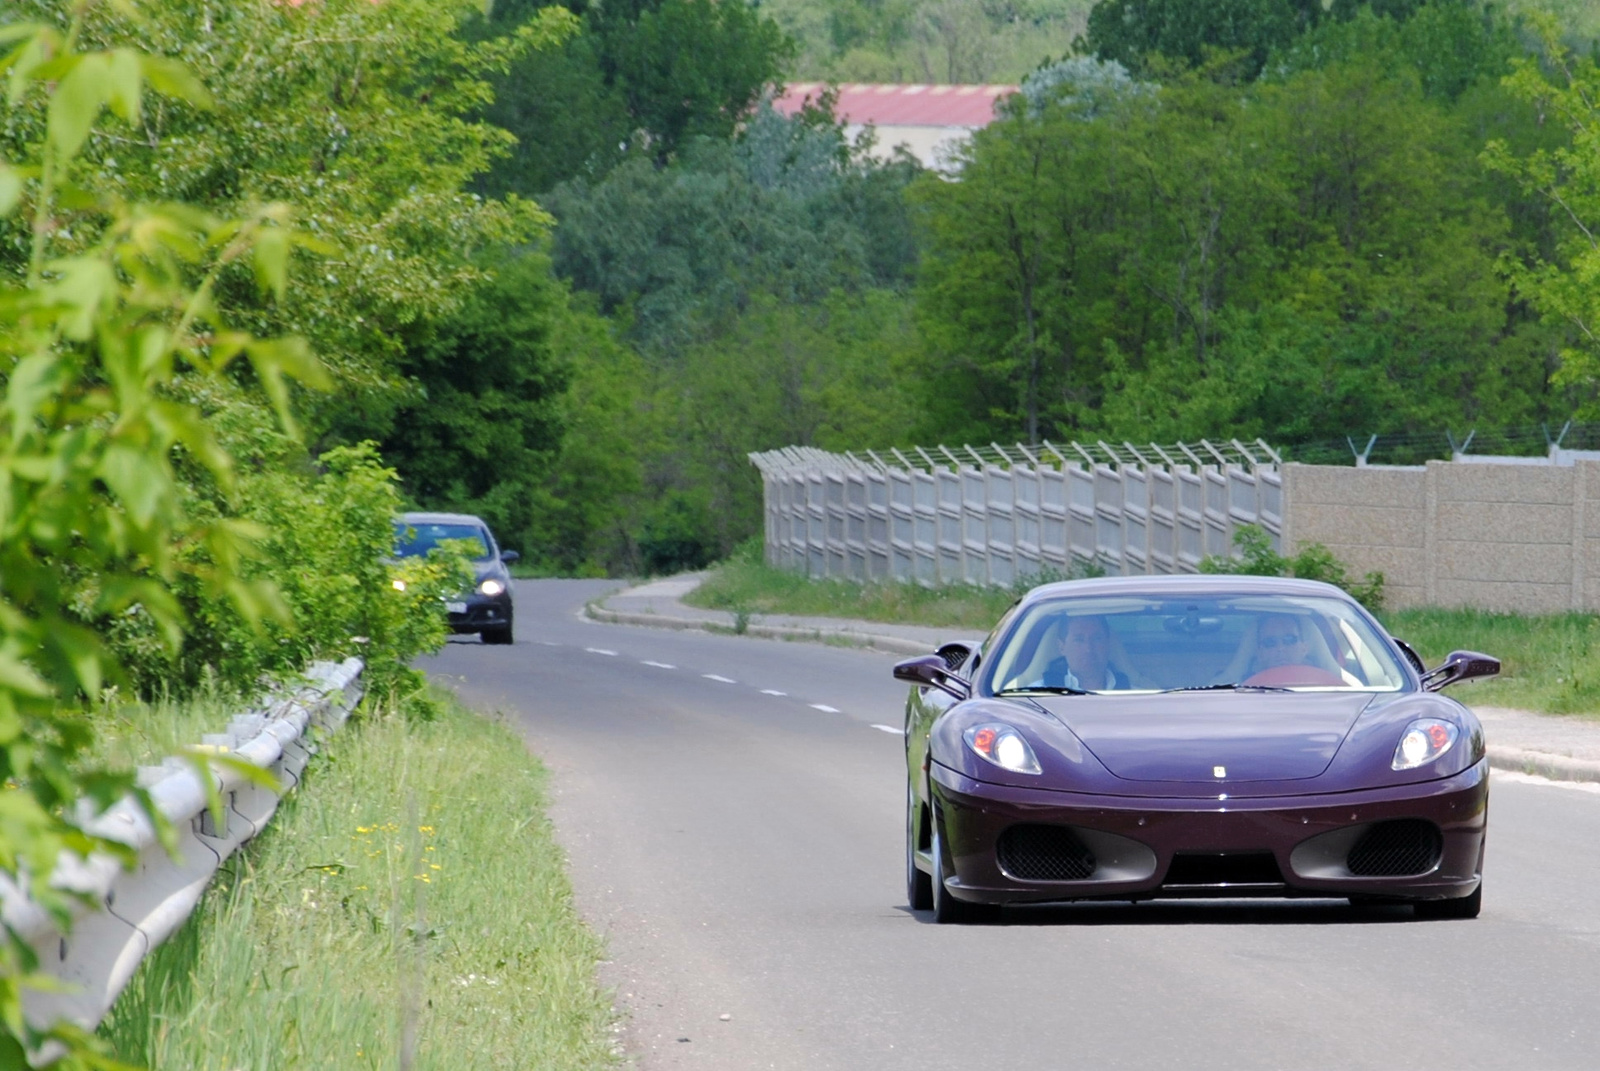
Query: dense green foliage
pixel 160 521
pixel 1201 258
pixel 1253 556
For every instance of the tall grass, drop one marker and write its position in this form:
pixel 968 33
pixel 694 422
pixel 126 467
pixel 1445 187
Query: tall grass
pixel 1549 662
pixel 746 584
pixel 407 908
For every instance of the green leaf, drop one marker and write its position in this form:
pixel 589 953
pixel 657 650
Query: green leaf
pixel 271 260
pixel 10 189
pixel 138 480
pixel 126 78
pixel 76 103
pixel 172 79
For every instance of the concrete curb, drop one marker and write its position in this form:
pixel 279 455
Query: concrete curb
pixel 1518 760
pixel 894 644
pixel 1544 764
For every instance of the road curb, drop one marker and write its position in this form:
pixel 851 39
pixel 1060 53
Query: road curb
pixel 893 644
pixel 1543 764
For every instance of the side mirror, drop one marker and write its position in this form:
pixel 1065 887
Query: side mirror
pixel 1460 666
pixel 509 556
pixel 929 671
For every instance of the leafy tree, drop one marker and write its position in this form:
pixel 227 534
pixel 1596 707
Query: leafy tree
pixel 1134 32
pixel 357 113
pixel 1560 281
pixel 1254 556
pixel 113 300
pixel 481 437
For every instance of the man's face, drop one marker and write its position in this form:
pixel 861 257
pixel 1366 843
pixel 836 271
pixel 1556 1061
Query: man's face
pixel 1279 644
pixel 1086 646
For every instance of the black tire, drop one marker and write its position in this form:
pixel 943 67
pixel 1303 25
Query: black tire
pixel 946 908
pixel 919 887
pixel 497 635
pixel 1464 907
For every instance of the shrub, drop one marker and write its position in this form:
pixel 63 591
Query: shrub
pixel 1256 557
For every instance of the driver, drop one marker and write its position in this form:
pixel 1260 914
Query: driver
pixel 1084 659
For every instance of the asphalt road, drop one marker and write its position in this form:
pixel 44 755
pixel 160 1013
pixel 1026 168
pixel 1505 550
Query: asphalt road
pixel 734 824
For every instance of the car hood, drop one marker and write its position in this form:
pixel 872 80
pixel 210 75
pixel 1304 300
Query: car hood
pixel 1188 736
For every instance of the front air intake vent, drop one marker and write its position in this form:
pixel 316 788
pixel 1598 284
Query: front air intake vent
pixel 1401 848
pixel 1044 853
pixel 1224 869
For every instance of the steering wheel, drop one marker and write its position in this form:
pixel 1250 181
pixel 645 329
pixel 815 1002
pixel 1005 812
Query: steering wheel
pixel 1293 676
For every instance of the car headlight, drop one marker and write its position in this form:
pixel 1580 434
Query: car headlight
pixel 1003 746
pixel 491 586
pixel 1423 741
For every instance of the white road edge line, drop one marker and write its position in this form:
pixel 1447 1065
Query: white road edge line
pixel 825 708
pixel 714 677
pixel 601 650
pixel 772 691
pixel 889 729
pixel 658 665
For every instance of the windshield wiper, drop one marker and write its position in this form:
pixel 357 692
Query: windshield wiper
pixel 1233 687
pixel 1047 689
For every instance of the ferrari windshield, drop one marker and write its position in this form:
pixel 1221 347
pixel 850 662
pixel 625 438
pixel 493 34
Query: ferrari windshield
pixel 1149 643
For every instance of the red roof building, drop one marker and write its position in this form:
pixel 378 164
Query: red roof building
pixel 928 120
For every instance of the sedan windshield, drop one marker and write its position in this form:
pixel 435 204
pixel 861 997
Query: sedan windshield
pixel 415 541
pixel 1146 643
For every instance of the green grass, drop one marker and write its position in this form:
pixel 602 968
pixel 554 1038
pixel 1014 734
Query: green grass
pixel 408 907
pixel 1551 662
pixel 749 586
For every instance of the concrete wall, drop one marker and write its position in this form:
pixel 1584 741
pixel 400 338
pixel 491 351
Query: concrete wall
pixel 1522 538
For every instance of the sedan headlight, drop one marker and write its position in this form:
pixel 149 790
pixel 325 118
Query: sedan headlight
pixel 1003 746
pixel 491 586
pixel 1423 741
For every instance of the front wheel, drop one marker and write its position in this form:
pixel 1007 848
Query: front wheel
pixel 1464 907
pixel 919 887
pixel 497 635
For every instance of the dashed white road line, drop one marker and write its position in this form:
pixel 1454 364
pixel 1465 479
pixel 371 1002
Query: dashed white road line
pixel 601 650
pixel 658 665
pixel 825 708
pixel 772 691
pixel 889 729
pixel 714 677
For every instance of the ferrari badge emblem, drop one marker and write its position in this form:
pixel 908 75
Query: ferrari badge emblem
pixel 1219 771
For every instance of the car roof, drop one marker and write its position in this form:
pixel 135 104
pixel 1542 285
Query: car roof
pixel 1185 585
pixel 442 518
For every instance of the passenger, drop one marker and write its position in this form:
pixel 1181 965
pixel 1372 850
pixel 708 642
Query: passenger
pixel 1279 642
pixel 1085 657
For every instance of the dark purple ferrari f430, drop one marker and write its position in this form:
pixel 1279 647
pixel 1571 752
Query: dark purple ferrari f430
pixel 1138 737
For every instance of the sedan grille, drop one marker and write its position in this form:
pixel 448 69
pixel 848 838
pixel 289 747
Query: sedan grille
pixel 1044 853
pixel 1400 848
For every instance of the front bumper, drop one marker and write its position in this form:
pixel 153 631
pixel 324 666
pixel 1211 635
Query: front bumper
pixel 481 612
pixel 1131 842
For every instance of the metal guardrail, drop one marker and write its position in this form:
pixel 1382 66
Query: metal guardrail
pixel 98 955
pixel 999 514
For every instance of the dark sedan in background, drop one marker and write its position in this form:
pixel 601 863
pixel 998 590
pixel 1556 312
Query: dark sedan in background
pixel 486 609
pixel 1180 736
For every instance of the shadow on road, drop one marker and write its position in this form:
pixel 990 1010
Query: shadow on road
pixel 1195 913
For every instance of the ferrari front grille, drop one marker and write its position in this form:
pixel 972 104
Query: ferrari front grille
pixel 1400 848
pixel 1219 869
pixel 1044 853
